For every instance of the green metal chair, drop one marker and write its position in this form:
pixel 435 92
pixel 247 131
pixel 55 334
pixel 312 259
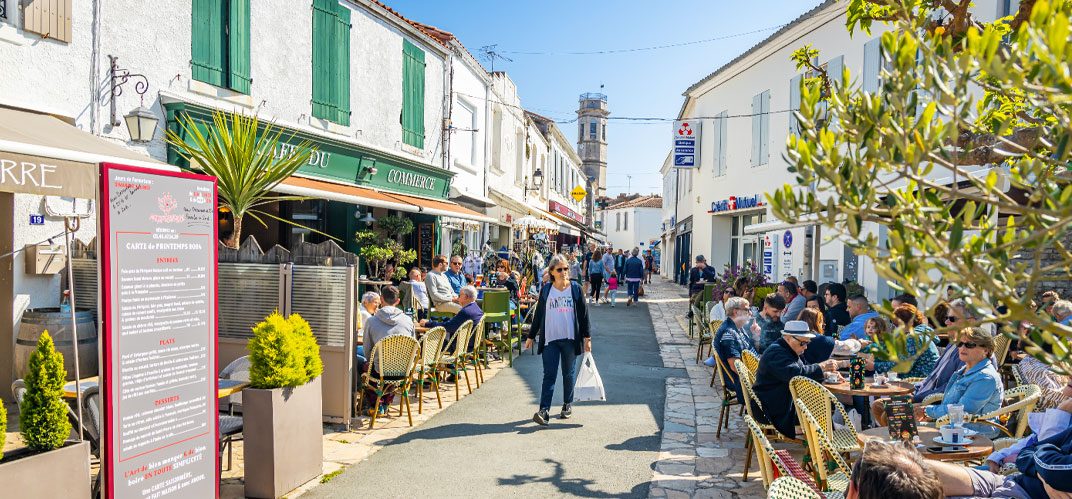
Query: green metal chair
pixel 431 352
pixel 705 333
pixel 728 399
pixel 497 311
pixel 454 362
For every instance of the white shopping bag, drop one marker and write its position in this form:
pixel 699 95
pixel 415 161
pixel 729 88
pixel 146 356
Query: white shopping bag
pixel 589 386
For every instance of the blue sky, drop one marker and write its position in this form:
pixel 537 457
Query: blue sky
pixel 645 83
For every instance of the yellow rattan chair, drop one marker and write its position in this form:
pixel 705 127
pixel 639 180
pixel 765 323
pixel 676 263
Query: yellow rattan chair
pixel 819 401
pixel 478 352
pixel 751 361
pixel 1028 395
pixel 391 365
pixel 728 399
pixel 823 454
pixel 764 454
pixel 454 362
pixel 787 487
pixel 431 352
pixel 769 431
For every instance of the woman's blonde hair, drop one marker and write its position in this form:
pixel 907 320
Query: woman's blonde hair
pixel 814 318
pixel 980 337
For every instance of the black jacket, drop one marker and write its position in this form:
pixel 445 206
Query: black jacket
pixel 836 316
pixel 777 366
pixel 696 276
pixel 582 329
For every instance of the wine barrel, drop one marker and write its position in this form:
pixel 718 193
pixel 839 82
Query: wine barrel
pixel 58 325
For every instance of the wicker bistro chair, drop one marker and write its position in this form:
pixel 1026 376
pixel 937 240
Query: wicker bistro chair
pixel 703 332
pixel 393 360
pixel 729 399
pixel 787 487
pixel 751 361
pixel 769 432
pixel 431 351
pixel 1028 395
pixel 497 311
pixel 454 362
pixel 477 354
pixel 819 401
pixel 820 447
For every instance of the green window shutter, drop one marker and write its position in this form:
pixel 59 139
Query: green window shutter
pixel 342 65
pixel 208 41
pixel 238 46
pixel 412 94
pixel 323 56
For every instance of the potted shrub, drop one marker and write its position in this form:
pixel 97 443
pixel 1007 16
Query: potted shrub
pixel 282 410
pixel 45 428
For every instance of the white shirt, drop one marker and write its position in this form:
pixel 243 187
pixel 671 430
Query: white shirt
pixel 560 321
pixel 420 293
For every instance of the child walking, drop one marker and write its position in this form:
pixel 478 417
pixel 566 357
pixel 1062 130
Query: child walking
pixel 612 287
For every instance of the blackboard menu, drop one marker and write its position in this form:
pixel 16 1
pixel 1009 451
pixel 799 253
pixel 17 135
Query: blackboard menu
pixel 425 244
pixel 901 420
pixel 158 287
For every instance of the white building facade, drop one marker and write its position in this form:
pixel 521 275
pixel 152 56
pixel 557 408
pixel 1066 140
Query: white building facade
pixel 635 222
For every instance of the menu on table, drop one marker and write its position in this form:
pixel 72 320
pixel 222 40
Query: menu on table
pixel 900 418
pixel 159 312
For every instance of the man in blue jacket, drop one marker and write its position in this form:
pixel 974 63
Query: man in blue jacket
pixel 634 275
pixel 454 274
pixel 860 311
pixel 470 312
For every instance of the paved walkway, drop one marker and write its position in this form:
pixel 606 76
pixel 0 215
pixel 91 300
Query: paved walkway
pixel 486 445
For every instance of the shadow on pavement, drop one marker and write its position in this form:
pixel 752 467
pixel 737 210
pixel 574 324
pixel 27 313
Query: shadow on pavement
pixel 644 444
pixel 579 487
pixel 521 427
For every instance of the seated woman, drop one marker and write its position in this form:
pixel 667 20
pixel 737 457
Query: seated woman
pixel 927 359
pixel 976 386
pixel 718 310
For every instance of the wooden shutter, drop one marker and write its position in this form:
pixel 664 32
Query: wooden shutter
pixel 208 40
pixel 323 53
pixel 834 68
pixel 764 144
pixel 716 145
pixel 49 18
pixel 794 104
pixel 724 131
pixel 872 61
pixel 342 65
pixel 412 94
pixel 239 78
pixel 757 121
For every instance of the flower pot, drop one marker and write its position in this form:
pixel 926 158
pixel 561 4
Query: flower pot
pixel 283 438
pixel 63 472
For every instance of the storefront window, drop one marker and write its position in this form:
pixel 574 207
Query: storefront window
pixel 310 214
pixel 744 248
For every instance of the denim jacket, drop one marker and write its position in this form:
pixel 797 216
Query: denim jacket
pixel 979 390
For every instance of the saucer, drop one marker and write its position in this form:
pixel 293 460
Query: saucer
pixel 941 441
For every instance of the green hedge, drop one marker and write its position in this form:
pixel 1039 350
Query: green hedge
pixel 43 413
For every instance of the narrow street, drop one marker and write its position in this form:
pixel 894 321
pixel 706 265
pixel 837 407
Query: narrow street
pixel 487 445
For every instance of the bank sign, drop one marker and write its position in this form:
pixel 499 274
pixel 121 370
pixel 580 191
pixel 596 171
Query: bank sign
pixel 686 143
pixel 738 203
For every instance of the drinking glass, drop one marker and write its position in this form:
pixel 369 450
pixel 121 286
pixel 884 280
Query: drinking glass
pixel 956 414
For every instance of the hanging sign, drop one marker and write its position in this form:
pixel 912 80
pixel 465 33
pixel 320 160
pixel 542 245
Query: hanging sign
pixel 158 267
pixel 578 193
pixel 768 256
pixel 738 203
pixel 686 143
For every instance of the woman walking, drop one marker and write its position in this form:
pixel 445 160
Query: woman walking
pixel 560 325
pixel 595 274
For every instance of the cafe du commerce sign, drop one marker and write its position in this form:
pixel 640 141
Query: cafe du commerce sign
pixel 738 203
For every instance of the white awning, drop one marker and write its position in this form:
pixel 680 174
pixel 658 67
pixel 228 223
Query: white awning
pixel 774 225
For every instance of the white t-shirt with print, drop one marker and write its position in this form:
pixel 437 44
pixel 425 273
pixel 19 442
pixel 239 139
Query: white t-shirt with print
pixel 560 319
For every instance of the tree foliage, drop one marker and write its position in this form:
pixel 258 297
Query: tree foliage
pixel 385 245
pixel 283 353
pixel 961 158
pixel 43 413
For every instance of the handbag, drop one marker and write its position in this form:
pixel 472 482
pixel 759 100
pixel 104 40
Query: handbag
pixel 588 386
pixel 640 292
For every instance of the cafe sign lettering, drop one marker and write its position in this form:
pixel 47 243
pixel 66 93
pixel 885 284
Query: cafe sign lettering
pixel 317 158
pixel 416 180
pixel 738 203
pixel 28 174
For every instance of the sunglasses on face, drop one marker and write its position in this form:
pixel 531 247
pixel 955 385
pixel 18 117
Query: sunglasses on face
pixel 802 342
pixel 951 318
pixel 967 344
pixel 561 269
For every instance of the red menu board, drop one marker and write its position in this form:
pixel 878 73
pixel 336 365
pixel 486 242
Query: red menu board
pixel 158 271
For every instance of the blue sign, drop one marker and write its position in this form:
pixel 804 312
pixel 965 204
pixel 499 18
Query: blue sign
pixel 37 220
pixel 685 139
pixel 787 239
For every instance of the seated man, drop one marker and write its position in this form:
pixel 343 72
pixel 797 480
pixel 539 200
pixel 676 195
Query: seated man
pixel 1044 473
pixel 768 326
pixel 470 312
pixel 860 311
pixel 731 340
pixel 885 470
pixel 780 363
pixel 387 321
pixel 444 299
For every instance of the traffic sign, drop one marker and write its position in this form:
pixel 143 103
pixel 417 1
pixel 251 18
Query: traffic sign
pixel 686 138
pixel 578 193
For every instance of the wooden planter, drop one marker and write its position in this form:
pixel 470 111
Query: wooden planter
pixel 63 472
pixel 283 438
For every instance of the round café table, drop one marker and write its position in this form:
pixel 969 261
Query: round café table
pixel 890 389
pixel 979 447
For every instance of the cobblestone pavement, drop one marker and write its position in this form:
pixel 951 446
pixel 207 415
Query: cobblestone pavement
pixel 693 461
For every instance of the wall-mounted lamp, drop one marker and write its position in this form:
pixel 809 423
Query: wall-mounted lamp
pixel 367 168
pixel 141 122
pixel 537 181
pixel 367 218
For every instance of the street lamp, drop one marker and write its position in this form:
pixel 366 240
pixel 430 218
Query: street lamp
pixel 537 181
pixel 141 123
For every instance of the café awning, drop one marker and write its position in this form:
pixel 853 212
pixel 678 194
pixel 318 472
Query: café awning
pixel 42 154
pixel 441 208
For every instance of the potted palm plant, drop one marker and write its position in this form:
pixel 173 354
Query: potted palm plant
pixel 45 428
pixel 282 410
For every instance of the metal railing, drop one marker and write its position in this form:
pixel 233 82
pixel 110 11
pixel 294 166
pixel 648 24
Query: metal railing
pixel 593 96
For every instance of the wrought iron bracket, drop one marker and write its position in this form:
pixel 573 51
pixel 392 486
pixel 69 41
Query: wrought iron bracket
pixel 120 77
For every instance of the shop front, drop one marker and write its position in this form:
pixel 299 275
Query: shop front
pixel 729 242
pixel 571 226
pixel 682 250
pixel 350 187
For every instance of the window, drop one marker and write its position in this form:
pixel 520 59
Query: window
pixel 592 131
pixel 465 117
pixel 761 128
pixel 412 95
pixel 220 43
pixel 618 223
pixel 580 130
pixel 604 130
pixel 872 65
pixel 625 223
pixel 331 61
pixel 719 144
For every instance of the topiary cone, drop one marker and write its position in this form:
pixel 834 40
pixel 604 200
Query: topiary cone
pixel 43 415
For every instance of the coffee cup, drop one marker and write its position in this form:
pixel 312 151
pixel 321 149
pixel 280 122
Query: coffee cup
pixel 952 434
pixel 831 377
pixel 893 376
